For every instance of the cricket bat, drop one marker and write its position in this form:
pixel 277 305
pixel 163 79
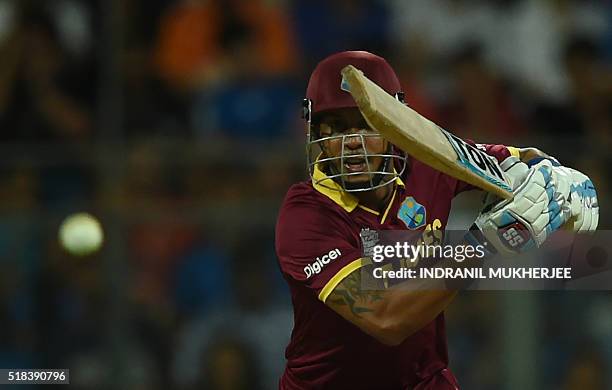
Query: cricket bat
pixel 423 139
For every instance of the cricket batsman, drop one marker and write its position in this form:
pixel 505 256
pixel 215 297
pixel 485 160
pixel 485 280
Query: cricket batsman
pixel 393 338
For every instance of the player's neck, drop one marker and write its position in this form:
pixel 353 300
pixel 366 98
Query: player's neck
pixel 377 199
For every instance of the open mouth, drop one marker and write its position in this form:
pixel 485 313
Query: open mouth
pixel 355 164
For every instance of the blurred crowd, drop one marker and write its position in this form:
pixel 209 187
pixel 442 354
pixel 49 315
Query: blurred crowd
pixel 176 122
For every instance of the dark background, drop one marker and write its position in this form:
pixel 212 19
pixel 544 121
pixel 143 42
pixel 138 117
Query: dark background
pixel 176 123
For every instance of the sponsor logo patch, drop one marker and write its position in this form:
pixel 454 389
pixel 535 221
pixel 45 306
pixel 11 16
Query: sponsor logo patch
pixel 316 266
pixel 514 236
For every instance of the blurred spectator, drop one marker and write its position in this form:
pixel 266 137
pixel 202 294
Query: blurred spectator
pixel 248 107
pixel 587 371
pixel 474 346
pixel 20 258
pixel 47 89
pixel 482 108
pixel 440 27
pixel 275 174
pixel 71 304
pixel 151 107
pixel 607 37
pixel 531 63
pixel 199 42
pixel 260 316
pixel 155 245
pixel 589 112
pixel 230 365
pixel 504 28
pixel 142 25
pixel 583 123
pixel 147 344
pixel 221 180
pixel 202 281
pixel 45 95
pixel 234 58
pixel 69 184
pixel 534 34
pixel 415 74
pixel 76 26
pixel 324 27
pixel 590 90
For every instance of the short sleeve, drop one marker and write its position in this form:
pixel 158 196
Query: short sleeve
pixel 500 152
pixel 316 247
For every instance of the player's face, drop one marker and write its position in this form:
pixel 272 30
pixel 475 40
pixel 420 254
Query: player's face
pixel 353 138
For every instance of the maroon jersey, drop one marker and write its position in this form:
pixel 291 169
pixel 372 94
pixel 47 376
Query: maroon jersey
pixel 318 243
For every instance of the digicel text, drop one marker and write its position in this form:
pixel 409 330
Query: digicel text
pixel 316 266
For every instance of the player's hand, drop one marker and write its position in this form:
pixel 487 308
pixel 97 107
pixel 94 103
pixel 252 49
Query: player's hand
pixel 525 221
pixel 515 172
pixel 581 198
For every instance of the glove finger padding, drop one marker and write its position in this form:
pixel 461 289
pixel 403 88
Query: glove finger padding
pixel 515 172
pixel 581 199
pixel 526 220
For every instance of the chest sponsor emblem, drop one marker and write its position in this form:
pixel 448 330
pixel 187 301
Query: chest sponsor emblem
pixel 412 213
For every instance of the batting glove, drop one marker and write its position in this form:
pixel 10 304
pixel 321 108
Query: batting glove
pixel 581 197
pixel 525 221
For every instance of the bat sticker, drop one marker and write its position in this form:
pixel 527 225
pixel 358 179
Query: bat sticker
pixel 344 85
pixel 477 161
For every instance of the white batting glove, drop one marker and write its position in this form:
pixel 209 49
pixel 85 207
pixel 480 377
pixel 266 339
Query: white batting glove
pixel 581 197
pixel 525 221
pixel 515 172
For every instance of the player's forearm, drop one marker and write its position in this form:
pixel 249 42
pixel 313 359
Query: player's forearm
pixel 403 313
pixel 412 304
pixel 390 315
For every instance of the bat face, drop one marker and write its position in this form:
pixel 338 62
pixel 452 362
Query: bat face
pixel 423 139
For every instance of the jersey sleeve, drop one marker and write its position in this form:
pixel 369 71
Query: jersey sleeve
pixel 315 247
pixel 500 152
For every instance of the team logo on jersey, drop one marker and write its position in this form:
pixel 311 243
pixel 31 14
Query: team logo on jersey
pixel 412 213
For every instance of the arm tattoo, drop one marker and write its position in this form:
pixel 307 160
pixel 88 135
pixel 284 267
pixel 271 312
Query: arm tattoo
pixel 350 292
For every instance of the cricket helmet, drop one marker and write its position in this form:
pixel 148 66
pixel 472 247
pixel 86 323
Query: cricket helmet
pixel 327 91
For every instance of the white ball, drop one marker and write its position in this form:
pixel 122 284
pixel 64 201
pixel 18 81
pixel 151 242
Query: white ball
pixel 81 234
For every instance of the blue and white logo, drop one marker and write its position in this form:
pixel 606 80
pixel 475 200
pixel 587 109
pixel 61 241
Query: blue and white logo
pixel 412 213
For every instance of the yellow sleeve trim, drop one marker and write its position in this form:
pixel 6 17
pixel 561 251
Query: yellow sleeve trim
pixel 339 276
pixel 514 151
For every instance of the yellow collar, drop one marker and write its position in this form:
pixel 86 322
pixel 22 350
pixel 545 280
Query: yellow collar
pixel 335 192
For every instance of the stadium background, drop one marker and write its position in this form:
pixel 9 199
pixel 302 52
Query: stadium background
pixel 176 123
